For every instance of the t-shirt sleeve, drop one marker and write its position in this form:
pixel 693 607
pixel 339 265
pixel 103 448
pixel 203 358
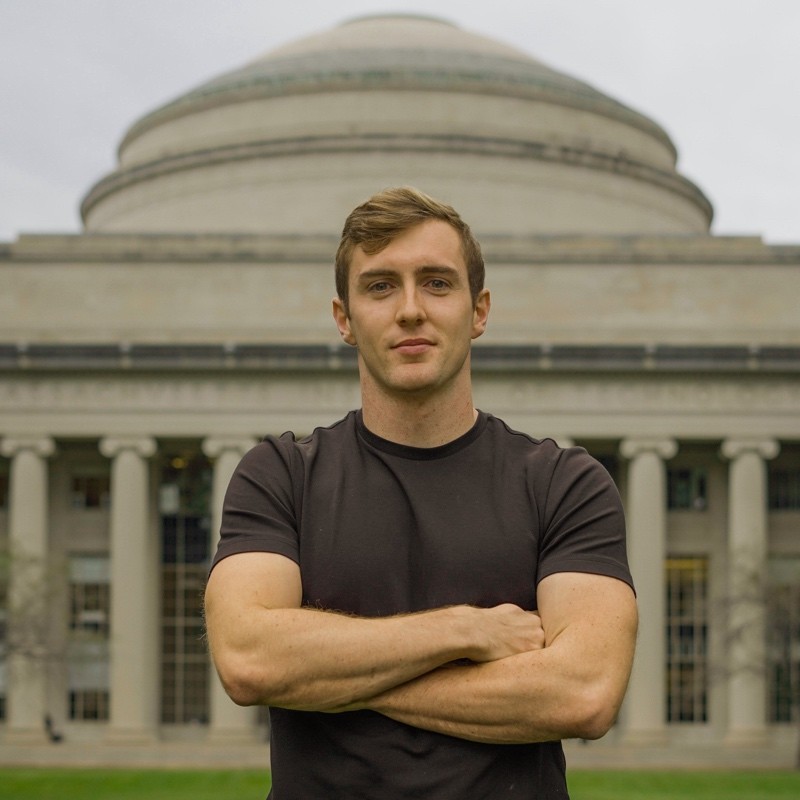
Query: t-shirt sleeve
pixel 583 523
pixel 259 512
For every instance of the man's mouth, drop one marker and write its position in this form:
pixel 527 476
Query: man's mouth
pixel 412 346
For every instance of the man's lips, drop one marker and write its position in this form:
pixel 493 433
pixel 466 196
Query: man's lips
pixel 413 345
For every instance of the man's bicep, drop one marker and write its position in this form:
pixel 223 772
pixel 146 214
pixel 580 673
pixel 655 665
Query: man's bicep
pixel 243 592
pixel 252 580
pixel 595 614
pixel 590 626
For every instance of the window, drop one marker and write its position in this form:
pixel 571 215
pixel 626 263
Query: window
pixel 3 489
pixel 88 705
pixel 185 659
pixel 88 662
pixel 90 596
pixel 687 489
pixel 687 639
pixel 89 607
pixel 186 532
pixel 783 631
pixel 784 489
pixel 90 491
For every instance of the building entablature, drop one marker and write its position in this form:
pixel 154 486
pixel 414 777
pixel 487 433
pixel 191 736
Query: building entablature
pixel 177 401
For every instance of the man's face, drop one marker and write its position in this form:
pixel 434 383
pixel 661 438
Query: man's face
pixel 411 314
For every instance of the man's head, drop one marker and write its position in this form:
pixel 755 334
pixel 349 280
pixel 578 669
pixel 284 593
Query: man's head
pixel 373 225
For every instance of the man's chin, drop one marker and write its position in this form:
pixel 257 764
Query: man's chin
pixel 417 388
pixel 410 385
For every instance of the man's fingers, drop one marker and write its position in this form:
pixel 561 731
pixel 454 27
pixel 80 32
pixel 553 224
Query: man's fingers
pixel 509 630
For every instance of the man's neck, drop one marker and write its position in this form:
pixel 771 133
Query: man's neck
pixel 418 422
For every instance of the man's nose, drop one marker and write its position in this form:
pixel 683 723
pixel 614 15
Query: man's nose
pixel 410 310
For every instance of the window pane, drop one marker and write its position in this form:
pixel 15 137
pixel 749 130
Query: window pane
pixel 784 489
pixel 88 659
pixel 90 491
pixel 784 638
pixel 88 705
pixel 687 489
pixel 687 639
pixel 186 537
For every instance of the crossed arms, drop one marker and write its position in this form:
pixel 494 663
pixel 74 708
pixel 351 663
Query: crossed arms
pixel 555 674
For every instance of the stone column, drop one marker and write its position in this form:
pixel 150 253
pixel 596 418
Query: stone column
pixel 229 722
pixel 646 512
pixel 745 598
pixel 135 581
pixel 29 589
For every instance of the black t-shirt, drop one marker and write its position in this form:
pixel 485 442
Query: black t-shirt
pixel 380 528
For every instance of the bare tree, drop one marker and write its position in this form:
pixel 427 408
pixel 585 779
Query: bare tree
pixel 762 640
pixel 31 639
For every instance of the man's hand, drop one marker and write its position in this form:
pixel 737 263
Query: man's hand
pixel 503 631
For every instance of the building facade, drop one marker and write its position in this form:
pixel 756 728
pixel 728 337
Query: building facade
pixel 140 359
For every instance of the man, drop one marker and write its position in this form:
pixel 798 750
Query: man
pixel 427 601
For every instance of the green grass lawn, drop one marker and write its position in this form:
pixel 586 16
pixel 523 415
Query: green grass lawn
pixel 130 784
pixel 684 785
pixel 126 784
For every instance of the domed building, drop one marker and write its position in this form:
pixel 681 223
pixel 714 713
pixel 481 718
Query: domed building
pixel 289 142
pixel 142 357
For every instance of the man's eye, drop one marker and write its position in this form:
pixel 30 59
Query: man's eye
pixel 380 286
pixel 438 284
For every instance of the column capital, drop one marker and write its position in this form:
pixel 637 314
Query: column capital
pixel 664 448
pixel 215 446
pixel 145 446
pixel 766 448
pixel 43 446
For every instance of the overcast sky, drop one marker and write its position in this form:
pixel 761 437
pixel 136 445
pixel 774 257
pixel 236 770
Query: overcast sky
pixel 721 76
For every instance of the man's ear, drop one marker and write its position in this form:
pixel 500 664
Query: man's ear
pixel 342 321
pixel 480 315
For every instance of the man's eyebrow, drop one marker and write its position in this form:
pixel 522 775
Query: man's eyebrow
pixel 377 272
pixel 388 272
pixel 437 269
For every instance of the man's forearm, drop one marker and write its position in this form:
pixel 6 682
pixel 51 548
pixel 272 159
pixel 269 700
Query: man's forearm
pixel 480 702
pixel 515 700
pixel 316 660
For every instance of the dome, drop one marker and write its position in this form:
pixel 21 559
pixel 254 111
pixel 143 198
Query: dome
pixel 292 140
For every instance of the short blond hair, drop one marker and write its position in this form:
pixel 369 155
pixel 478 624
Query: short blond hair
pixel 373 225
